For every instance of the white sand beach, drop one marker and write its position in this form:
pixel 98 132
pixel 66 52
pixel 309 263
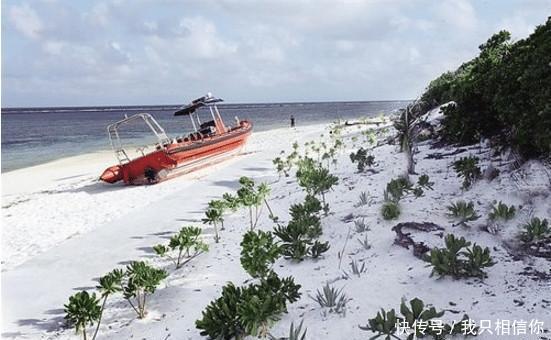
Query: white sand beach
pixel 62 229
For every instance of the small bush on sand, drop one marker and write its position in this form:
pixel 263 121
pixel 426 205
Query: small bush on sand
pixel 462 212
pixel 186 243
pixel 82 310
pixel 390 210
pixel 315 179
pixel 536 229
pixel 141 280
pixel 249 310
pixel 502 212
pixel 458 260
pixel 258 252
pixel 362 158
pixel 467 168
pixel 252 197
pixel 414 318
pixel 298 236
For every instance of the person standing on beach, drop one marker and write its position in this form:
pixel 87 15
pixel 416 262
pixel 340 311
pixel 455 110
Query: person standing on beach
pixel 292 121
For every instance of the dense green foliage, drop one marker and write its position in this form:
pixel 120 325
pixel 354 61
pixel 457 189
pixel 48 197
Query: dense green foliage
pixel 468 169
pixel 82 310
pixel 462 212
pixel 298 237
pixel 504 92
pixel 248 310
pixel 141 281
pixel 501 211
pixel 458 260
pixel 258 252
pixel 536 229
pixel 362 158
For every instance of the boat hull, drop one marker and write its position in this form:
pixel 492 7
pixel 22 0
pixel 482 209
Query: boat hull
pixel 178 158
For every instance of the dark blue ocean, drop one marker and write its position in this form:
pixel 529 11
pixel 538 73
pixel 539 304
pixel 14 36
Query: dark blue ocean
pixel 32 136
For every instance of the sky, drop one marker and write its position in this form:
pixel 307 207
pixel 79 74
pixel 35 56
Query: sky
pixel 148 52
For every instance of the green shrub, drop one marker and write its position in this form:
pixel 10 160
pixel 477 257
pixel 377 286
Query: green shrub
pixel 458 260
pixel 82 310
pixel 502 212
pixel 298 235
pixel 362 158
pixel 183 243
pixel 141 281
pixel 383 324
pixel 467 167
pixel 315 179
pixel 503 92
pixel 258 252
pixel 397 188
pixel 415 318
pixel 390 210
pixel 250 310
pixel 536 229
pixel 462 212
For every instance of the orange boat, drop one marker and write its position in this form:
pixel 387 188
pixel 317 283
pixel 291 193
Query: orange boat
pixel 210 142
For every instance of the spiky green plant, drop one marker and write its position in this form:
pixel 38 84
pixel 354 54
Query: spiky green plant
pixel 467 167
pixel 462 212
pixel 360 226
pixel 295 333
pixel 365 243
pixel 186 243
pixel 390 210
pixel 502 212
pixel 363 199
pixel 141 280
pixel 258 252
pixel 332 298
pixel 82 310
pixel 536 229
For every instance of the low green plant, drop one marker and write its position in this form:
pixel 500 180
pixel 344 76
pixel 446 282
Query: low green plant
pixel 383 324
pixel 298 236
pixel 82 310
pixel 186 243
pixel 141 280
pixel 413 320
pixel 315 179
pixel 458 260
pixel 397 188
pixel 462 212
pixel 249 310
pixel 468 169
pixel 501 211
pixel 390 210
pixel 362 158
pixel 356 269
pixel 536 229
pixel 213 217
pixel 258 252
pixel 332 298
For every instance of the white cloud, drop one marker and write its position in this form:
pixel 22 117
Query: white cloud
pixel 26 21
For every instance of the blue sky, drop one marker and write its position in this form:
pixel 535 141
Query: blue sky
pixel 134 52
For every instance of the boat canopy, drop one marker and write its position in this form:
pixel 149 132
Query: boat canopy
pixel 206 100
